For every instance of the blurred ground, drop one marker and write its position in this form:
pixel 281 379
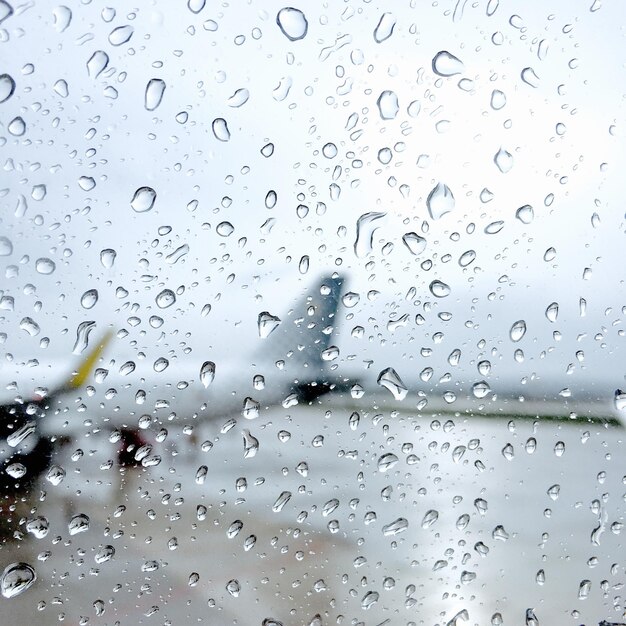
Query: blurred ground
pixel 543 505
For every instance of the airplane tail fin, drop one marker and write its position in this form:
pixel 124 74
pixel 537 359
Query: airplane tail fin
pixel 303 339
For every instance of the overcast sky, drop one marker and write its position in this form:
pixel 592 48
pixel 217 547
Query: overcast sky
pixel 558 131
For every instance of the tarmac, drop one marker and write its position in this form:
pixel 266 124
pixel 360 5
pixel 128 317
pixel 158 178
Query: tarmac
pixel 343 515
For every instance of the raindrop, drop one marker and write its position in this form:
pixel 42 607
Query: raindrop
pixel 414 243
pixel 62 17
pixel 6 246
pixel 384 28
pixel 97 63
pixel 531 618
pixel 292 23
pixel 82 336
pixel 583 589
pixel 388 105
pixel 16 470
pixel 396 527
pixel 330 150
pixel 440 201
pixel 282 499
pixel 17 127
pixel 529 77
pixel 369 599
pixel 480 389
pixel 365 227
pixel 467 257
pixel 220 129
pixel 446 64
pixel 503 160
pixel 207 373
pixel 387 461
pixel 7 87
pixel 430 518
pixel 525 214
pixel 29 325
pixel 154 93
pixel 552 312
pixel 267 324
pixel 165 299
pixel 498 99
pixel 233 587
pixel 518 330
pixel 120 35
pixel 390 380
pixel 143 199
pixel 439 289
pixel 89 299
pixel 201 474
pixel 619 400
pixel 195 6
pixel 107 257
pixel 45 266
pixel 239 98
pixel 16 579
pixel 6 10
pixel 251 408
pixel 250 445
pixel 224 229
pixel 104 554
pixel 78 524
pixel 508 452
pixel 55 475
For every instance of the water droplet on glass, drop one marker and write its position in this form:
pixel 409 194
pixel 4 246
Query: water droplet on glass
pixel 207 373
pixel 97 63
pixel 195 6
pixel 387 461
pixel 365 227
pixel 292 23
pixel 388 106
pixel 220 129
pixel 430 517
pixel 82 336
pixel 414 243
pixel 267 323
pixel 250 445
pixel 529 77
pixel 29 325
pixel 390 380
pixel 55 475
pixel 165 299
pixel 62 17
pixel 45 266
pixel 6 246
pixel 384 28
pixel 154 93
pixel 78 524
pixel 369 599
pixel 239 98
pixel 17 126
pixel 104 554
pixel 498 100
pixel 531 618
pixel 480 389
pixel 552 312
pixel 89 299
pixel 143 199
pixel 224 229
pixel 282 499
pixel 120 35
pixel 467 257
pixel 503 160
pixel 107 257
pixel 396 527
pixel 554 492
pixel 518 330
pixel 233 587
pixel 16 579
pixel 446 64
pixel 439 289
pixel 619 400
pixel 525 214
pixel 251 408
pixel 508 452
pixel 584 589
pixel 440 201
pixel 7 87
pixel 6 10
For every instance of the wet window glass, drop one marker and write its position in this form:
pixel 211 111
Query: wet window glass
pixel 312 314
